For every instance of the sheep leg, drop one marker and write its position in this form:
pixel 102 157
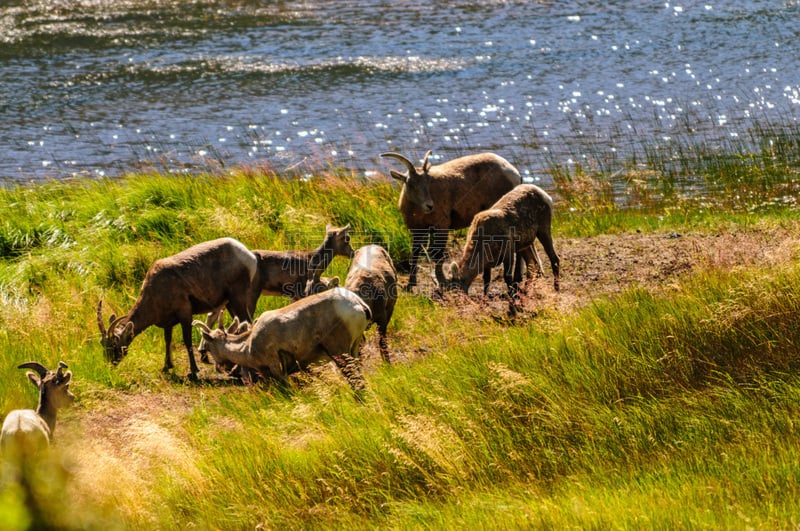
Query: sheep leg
pixel 509 275
pixel 383 343
pixel 349 369
pixel 168 357
pixel 438 245
pixel 555 262
pixel 186 328
pixel 519 260
pixel 418 239
pixel 289 363
pixel 487 278
pixel 530 256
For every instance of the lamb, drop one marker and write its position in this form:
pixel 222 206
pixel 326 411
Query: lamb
pixel 437 199
pixel 205 277
pixel 505 234
pixel 330 323
pixel 372 276
pixel 288 272
pixel 31 431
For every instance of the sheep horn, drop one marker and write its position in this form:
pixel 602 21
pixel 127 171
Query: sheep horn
pixel 202 326
pixel 112 324
pixel 233 327
pixel 426 165
pixel 100 318
pixel 408 164
pixel 36 366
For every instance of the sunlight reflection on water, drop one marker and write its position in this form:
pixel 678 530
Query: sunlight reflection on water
pixel 102 87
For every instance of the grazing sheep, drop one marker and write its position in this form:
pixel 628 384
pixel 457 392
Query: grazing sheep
pixel 505 234
pixel 437 199
pixel 27 430
pixel 330 323
pixel 200 279
pixel 372 277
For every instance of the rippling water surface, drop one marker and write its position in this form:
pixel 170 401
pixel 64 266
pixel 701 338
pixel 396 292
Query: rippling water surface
pixel 100 87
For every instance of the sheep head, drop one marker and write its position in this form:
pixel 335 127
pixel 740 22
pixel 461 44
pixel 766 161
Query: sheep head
pixel 215 340
pixel 416 181
pixel 116 338
pixel 337 239
pixel 455 281
pixel 55 384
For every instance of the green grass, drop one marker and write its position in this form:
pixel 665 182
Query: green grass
pixel 673 408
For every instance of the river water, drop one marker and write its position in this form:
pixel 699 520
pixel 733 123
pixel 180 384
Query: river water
pixel 101 87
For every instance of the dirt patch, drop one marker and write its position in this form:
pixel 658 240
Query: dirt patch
pixel 608 264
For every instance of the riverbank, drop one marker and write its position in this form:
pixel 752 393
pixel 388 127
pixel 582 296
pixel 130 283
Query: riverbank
pixel 657 389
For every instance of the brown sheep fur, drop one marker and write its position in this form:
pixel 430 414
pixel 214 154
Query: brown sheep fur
pixel 200 279
pixel 505 234
pixel 437 199
pixel 372 277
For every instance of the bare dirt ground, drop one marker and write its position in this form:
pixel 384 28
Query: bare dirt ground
pixel 607 264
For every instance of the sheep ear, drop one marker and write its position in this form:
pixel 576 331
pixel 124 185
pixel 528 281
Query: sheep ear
pixel 200 324
pixel 233 327
pixel 127 333
pixel 333 282
pixel 402 177
pixel 453 270
pixel 34 378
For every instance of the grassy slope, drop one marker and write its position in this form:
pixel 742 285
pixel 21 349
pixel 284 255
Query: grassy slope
pixel 650 409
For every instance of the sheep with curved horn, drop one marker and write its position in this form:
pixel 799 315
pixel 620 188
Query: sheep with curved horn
pixel 205 277
pixel 329 324
pixel 436 199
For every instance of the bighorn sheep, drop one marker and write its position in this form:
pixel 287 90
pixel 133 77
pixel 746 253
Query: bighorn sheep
pixel 372 277
pixel 28 430
pixel 288 272
pixel 437 199
pixel 505 234
pixel 330 323
pixel 295 273
pixel 200 279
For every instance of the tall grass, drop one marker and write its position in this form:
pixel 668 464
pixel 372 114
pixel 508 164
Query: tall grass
pixel 667 408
